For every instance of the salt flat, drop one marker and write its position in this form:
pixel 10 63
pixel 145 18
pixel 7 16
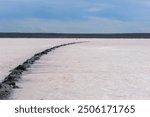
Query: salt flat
pixel 98 69
pixel 15 51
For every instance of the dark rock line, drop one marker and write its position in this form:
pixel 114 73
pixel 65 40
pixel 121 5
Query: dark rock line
pixel 9 82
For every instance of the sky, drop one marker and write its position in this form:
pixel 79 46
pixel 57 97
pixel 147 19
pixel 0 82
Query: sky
pixel 75 16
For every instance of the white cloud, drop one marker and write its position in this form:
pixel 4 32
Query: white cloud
pixel 145 3
pixel 99 7
pixel 94 9
pixel 93 25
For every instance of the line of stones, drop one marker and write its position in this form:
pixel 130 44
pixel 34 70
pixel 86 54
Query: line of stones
pixel 9 81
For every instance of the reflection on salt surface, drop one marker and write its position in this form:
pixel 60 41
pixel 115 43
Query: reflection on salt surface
pixel 99 69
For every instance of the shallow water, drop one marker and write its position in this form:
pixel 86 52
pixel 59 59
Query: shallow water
pixel 99 69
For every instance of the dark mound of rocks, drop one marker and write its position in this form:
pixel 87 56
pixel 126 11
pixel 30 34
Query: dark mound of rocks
pixel 9 82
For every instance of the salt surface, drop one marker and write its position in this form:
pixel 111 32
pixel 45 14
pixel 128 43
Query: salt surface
pixel 15 51
pixel 99 69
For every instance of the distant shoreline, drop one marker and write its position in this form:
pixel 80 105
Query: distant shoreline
pixel 74 35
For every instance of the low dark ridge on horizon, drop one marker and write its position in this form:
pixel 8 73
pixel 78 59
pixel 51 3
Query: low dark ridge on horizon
pixel 74 35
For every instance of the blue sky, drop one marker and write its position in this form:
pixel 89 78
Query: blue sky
pixel 75 16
